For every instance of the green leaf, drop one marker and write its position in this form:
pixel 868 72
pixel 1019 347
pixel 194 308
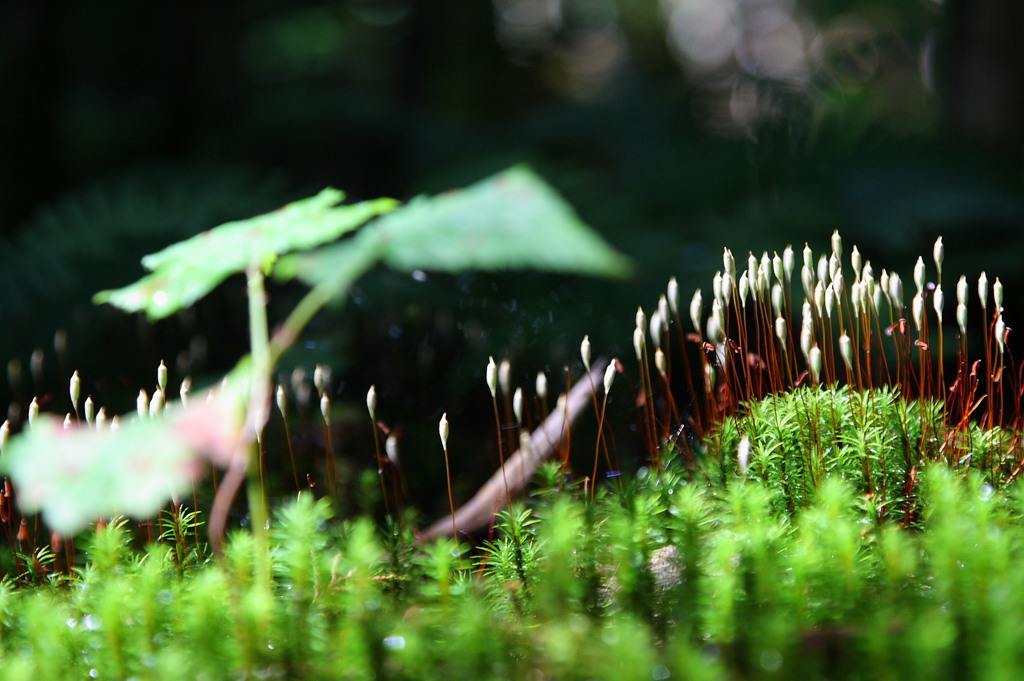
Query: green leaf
pixel 186 271
pixel 511 220
pixel 76 475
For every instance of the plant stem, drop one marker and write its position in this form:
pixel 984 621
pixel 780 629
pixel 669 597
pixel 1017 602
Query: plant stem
pixel 451 499
pixel 291 453
pixel 312 302
pixel 303 312
pixel 501 454
pixel 259 404
pixel 256 413
pixel 381 459
pixel 597 447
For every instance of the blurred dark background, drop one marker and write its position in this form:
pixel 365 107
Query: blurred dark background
pixel 675 127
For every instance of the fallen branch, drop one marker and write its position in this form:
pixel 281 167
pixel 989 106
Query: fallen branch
pixel 477 513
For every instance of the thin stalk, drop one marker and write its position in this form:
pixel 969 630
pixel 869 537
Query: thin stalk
pixel 651 431
pixel 380 464
pixel 291 447
pixel 793 338
pixel 671 408
pixel 516 540
pixel 568 425
pixel 597 446
pixel 329 465
pixel 881 349
pixel 941 361
pixel 828 344
pixel 844 302
pixel 443 431
pixel 767 339
pixel 988 332
pixel 593 400
pixel 741 324
pixel 987 344
pixel 764 349
pixel 865 320
pixel 501 455
pixel 732 376
pixel 697 415
pixel 259 401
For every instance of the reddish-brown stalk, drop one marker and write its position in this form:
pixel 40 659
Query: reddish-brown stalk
pixel 568 424
pixel 826 342
pixel 382 463
pixel 746 353
pixel 766 342
pixel 941 381
pixel 866 333
pixel 890 331
pixel 924 357
pixel 839 305
pixel 585 356
pixel 381 459
pixel 998 396
pixel 600 429
pixel 672 415
pixel 442 429
pixel 901 339
pixel 492 380
pixel 325 419
pixel 884 369
pixel 706 406
pixel 963 391
pixel 504 385
pixel 848 324
pixel 785 350
pixel 986 342
pixel 647 389
pixel 792 341
pixel 732 377
pixel 282 407
pixel 6 516
pixel 748 373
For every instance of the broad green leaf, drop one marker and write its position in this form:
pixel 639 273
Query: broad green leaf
pixel 165 292
pixel 512 220
pixel 76 475
pixel 186 271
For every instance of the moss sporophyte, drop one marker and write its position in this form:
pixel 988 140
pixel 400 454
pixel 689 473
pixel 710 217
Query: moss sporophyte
pixel 825 491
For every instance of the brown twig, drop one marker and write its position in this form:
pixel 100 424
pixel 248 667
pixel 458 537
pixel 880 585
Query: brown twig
pixel 519 468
